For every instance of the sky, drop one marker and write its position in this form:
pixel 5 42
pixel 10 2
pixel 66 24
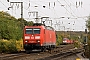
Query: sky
pixel 66 15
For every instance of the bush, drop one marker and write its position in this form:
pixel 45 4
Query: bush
pixel 19 45
pixel 10 46
pixel 7 46
pixel 59 40
pixel 76 44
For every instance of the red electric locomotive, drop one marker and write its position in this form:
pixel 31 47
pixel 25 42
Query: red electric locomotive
pixel 67 41
pixel 39 37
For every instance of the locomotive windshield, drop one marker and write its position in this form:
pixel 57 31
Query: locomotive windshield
pixel 36 31
pixel 32 30
pixel 29 31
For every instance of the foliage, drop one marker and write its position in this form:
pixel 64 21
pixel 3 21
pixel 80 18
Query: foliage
pixel 30 23
pixel 19 45
pixel 10 46
pixel 88 23
pixel 59 39
pixel 10 27
pixel 88 26
pixel 77 44
pixel 11 32
pixel 24 22
pixel 7 46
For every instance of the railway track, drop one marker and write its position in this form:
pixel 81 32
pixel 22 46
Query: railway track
pixel 16 56
pixel 11 56
pixel 59 51
pixel 61 48
pixel 62 55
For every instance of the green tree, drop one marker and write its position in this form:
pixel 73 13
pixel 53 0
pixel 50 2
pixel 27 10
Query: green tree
pixel 9 27
pixel 30 23
pixel 88 23
pixel 88 26
pixel 24 22
pixel 59 39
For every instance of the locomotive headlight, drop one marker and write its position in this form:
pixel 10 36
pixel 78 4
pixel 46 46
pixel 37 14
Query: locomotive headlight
pixel 26 41
pixel 27 37
pixel 64 41
pixel 38 41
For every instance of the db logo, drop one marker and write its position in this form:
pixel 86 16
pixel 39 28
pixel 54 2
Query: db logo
pixel 32 37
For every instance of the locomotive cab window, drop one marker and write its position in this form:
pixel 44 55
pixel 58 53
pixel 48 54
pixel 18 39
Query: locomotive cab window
pixel 36 31
pixel 29 31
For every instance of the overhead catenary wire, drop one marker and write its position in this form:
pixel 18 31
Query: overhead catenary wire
pixel 4 4
pixel 72 10
pixel 35 8
pixel 46 7
pixel 8 7
pixel 43 7
pixel 51 8
pixel 66 9
pixel 69 12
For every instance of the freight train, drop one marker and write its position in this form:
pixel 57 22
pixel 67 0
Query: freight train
pixel 39 36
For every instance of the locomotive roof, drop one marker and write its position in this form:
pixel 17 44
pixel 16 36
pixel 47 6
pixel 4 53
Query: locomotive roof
pixel 38 24
pixel 49 27
pixel 46 27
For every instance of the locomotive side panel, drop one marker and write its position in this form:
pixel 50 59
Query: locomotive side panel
pixel 54 38
pixel 50 37
pixel 47 37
